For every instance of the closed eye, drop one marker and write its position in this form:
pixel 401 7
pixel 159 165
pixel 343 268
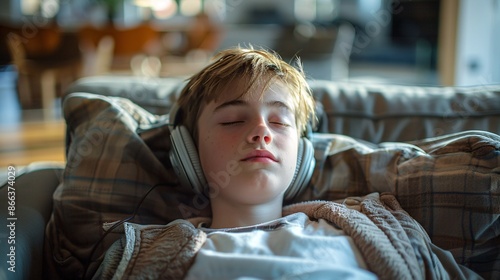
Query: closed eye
pixel 281 124
pixel 230 123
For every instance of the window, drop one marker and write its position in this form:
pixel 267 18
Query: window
pixel 45 8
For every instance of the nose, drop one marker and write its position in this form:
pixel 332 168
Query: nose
pixel 260 133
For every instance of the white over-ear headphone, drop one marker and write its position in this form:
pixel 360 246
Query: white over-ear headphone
pixel 186 163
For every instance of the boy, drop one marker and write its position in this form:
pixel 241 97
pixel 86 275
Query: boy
pixel 249 110
pixel 245 114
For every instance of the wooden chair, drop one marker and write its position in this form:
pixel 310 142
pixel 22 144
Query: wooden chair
pixel 127 42
pixel 44 70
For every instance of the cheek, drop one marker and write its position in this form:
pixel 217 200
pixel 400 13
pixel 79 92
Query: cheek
pixel 205 147
pixel 213 152
pixel 292 152
pixel 292 157
pixel 204 153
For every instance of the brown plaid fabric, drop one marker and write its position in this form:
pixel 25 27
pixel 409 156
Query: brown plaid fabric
pixel 449 184
pixel 116 152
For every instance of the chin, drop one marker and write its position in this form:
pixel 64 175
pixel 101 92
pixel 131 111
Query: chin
pixel 262 195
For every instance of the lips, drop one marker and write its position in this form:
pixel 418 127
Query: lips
pixel 260 155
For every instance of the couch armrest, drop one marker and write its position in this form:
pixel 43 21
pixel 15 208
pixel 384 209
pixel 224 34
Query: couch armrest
pixel 22 234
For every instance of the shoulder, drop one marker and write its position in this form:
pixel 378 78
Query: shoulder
pixel 176 243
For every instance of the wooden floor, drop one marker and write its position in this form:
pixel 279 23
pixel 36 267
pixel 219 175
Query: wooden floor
pixel 34 141
pixel 27 136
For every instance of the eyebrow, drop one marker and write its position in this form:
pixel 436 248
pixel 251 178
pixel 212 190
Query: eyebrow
pixel 239 102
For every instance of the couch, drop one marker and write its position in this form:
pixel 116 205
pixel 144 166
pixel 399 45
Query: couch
pixel 437 149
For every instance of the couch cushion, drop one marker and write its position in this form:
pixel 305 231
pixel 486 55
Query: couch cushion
pixel 156 95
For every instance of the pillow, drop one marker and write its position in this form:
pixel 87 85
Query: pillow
pixel 454 193
pixel 117 151
pixel 449 184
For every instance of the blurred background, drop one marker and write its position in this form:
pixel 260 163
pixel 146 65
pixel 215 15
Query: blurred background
pixel 47 44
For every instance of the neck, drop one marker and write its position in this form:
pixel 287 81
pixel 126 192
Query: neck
pixel 225 215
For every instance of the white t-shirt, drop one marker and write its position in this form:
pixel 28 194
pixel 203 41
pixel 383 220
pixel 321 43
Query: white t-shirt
pixel 292 247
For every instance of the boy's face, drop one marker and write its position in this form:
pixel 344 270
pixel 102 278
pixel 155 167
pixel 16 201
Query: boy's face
pixel 248 145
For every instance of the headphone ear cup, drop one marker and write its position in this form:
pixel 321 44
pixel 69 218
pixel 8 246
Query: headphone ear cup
pixel 185 160
pixel 304 169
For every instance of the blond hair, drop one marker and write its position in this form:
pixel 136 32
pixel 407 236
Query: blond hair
pixel 247 66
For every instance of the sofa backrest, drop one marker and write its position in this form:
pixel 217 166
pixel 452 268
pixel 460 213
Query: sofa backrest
pixel 375 113
pixel 390 113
